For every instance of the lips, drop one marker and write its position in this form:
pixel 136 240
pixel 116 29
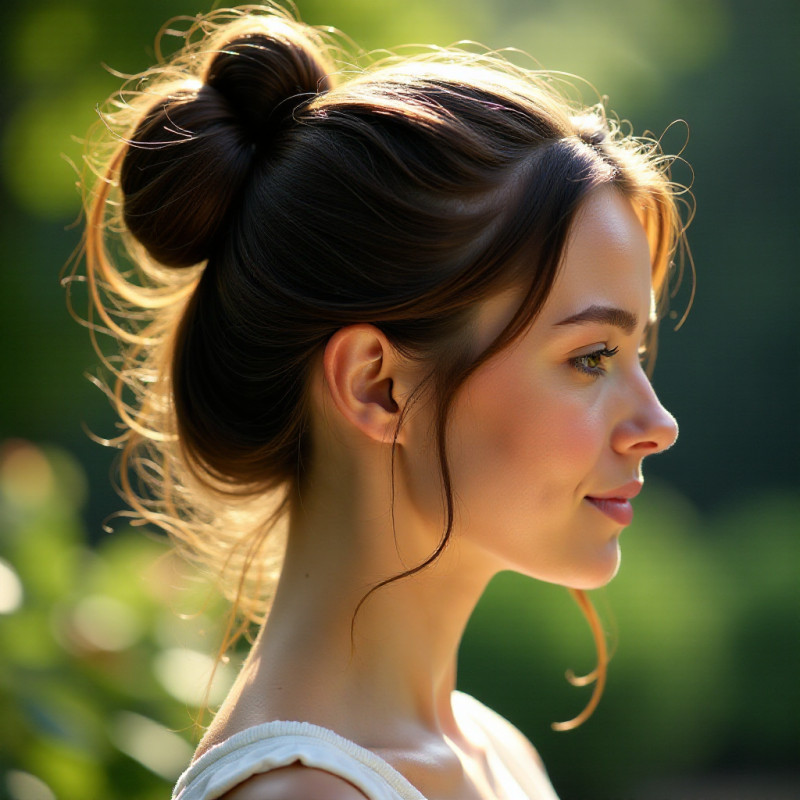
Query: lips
pixel 616 504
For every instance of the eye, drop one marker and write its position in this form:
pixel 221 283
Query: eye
pixel 592 363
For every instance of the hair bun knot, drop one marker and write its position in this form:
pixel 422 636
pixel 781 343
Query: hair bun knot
pixel 265 78
pixel 192 152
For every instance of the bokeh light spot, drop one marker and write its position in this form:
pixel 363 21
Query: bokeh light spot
pixel 11 592
pixel 24 786
pixel 159 749
pixel 185 674
pixel 26 478
pixel 105 623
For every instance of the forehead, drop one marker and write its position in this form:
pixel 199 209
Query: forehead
pixel 606 263
pixel 606 260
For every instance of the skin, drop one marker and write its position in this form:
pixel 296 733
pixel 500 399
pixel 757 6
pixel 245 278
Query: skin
pixel 533 433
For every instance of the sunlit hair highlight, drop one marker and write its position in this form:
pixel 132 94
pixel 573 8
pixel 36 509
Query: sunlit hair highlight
pixel 230 196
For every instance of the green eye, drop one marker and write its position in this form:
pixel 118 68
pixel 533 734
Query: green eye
pixel 592 363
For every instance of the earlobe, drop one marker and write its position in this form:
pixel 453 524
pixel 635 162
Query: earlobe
pixel 360 367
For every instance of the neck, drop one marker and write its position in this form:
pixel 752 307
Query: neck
pixel 380 671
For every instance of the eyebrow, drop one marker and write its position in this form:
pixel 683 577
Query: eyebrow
pixel 608 315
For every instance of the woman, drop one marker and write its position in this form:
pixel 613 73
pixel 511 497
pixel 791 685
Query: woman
pixel 394 319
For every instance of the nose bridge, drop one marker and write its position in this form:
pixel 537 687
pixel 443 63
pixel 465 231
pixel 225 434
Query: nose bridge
pixel 649 427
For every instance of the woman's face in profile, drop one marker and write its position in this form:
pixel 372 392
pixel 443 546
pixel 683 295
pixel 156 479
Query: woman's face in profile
pixel 546 440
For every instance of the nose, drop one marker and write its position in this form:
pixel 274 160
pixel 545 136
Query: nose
pixel 649 428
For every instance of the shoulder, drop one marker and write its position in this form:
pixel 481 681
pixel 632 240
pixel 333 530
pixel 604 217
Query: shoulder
pixel 512 747
pixel 295 782
pixel 505 737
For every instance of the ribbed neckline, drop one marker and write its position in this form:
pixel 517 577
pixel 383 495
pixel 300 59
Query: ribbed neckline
pixel 269 730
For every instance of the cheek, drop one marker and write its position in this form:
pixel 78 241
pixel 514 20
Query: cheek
pixel 521 438
pixel 523 458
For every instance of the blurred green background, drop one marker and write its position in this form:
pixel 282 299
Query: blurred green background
pixel 104 644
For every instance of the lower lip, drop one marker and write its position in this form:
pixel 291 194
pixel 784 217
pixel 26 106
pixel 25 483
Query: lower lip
pixel 616 508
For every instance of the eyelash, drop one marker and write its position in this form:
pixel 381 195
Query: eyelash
pixel 581 362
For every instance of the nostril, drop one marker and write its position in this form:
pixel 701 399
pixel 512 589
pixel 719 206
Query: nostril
pixel 647 434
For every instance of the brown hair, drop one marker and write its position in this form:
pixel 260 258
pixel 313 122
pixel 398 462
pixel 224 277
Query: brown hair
pixel 262 201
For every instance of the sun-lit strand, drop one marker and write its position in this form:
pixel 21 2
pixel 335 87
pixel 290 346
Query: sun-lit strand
pixel 598 675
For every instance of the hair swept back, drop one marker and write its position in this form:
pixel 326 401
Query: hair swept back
pixel 228 195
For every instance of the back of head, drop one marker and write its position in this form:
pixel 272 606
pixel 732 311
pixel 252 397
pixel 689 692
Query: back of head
pixel 268 200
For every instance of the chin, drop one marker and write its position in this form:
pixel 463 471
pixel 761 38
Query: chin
pixel 601 571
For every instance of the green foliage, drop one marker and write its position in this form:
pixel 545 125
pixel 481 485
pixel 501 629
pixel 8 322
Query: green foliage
pixel 100 677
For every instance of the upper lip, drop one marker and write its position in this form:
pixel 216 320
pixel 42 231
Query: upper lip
pixel 625 492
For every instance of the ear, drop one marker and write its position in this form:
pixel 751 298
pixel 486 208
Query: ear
pixel 361 369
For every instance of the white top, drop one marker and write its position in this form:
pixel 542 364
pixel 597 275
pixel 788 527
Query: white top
pixel 277 744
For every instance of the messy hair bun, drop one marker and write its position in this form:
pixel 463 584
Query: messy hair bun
pixel 191 154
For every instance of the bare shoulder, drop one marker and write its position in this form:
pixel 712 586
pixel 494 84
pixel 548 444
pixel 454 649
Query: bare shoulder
pixel 295 782
pixel 514 749
pixel 505 736
pixel 517 741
